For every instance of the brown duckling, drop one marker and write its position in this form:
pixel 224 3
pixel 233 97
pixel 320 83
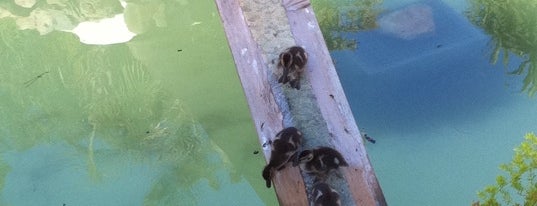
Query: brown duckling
pixel 321 161
pixel 284 149
pixel 292 60
pixel 324 195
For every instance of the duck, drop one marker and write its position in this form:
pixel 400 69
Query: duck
pixel 292 60
pixel 321 161
pixel 324 195
pixel 284 149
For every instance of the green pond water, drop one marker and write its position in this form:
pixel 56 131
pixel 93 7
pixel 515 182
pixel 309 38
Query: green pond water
pixel 161 119
pixel 158 120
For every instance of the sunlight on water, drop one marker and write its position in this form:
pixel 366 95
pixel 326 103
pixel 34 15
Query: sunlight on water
pixel 106 31
pixel 143 122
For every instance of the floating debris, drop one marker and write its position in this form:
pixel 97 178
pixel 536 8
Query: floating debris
pixel 368 138
pixel 31 81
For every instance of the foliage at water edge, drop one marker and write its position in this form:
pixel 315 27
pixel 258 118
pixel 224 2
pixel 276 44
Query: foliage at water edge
pixel 339 17
pixel 513 28
pixel 518 184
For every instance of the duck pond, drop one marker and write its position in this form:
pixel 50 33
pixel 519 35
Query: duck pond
pixel 138 102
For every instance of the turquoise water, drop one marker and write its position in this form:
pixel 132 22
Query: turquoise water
pixel 443 115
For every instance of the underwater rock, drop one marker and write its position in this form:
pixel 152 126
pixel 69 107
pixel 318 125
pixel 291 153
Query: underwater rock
pixel 25 3
pixel 5 13
pixel 61 3
pixel 45 21
pixel 409 22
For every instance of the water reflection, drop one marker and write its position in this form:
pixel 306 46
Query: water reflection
pixel 337 18
pixel 512 26
pixel 48 16
pixel 433 102
pixel 163 116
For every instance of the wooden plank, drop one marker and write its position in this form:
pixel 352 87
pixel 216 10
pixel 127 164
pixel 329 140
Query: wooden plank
pixel 335 109
pixel 266 114
pixel 321 79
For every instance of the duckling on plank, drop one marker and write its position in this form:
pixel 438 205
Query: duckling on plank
pixel 292 60
pixel 321 161
pixel 284 149
pixel 324 195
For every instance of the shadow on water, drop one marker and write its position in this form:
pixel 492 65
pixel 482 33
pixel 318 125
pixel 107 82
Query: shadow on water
pixel 405 84
pixel 443 116
pixel 162 118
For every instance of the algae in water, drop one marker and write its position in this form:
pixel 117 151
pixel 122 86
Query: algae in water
pixel 97 98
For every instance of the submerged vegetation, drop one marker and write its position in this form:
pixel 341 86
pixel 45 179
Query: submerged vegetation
pixel 339 17
pixel 150 101
pixel 513 28
pixel 519 185
pixel 87 97
pixel 50 15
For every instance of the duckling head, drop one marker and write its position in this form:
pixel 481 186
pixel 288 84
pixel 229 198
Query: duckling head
pixel 331 157
pixel 321 161
pixel 304 159
pixel 305 156
pixel 299 56
pixel 292 60
pixel 324 195
pixel 290 135
pixel 286 59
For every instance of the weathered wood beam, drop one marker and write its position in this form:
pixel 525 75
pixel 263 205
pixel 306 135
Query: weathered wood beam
pixel 335 109
pixel 253 73
pixel 320 109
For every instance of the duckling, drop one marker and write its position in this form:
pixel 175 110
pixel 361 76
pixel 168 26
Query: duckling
pixel 321 161
pixel 284 149
pixel 292 60
pixel 324 195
